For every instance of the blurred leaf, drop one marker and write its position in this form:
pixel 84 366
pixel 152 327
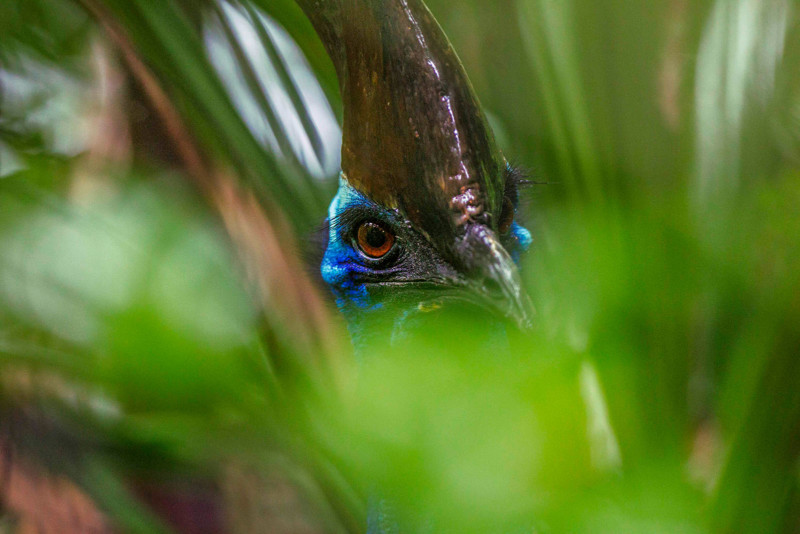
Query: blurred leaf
pixel 657 391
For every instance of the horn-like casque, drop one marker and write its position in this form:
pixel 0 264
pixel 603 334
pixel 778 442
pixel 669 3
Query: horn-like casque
pixel 414 136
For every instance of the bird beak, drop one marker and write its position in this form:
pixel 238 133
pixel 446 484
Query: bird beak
pixel 495 279
pixel 501 290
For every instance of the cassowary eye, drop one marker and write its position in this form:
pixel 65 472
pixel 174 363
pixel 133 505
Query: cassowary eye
pixel 374 239
pixel 506 216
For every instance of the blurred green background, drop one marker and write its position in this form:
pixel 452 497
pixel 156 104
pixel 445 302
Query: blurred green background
pixel 163 165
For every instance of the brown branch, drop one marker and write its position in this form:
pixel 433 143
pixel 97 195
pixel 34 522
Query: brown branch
pixel 184 144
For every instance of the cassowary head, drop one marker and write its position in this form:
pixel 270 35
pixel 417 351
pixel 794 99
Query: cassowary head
pixel 425 212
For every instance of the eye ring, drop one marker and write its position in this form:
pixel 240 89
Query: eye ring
pixel 374 239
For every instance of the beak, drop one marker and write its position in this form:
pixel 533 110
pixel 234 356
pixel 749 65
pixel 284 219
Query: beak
pixel 495 279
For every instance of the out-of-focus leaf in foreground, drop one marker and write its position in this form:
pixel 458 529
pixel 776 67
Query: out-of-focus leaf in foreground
pixel 150 333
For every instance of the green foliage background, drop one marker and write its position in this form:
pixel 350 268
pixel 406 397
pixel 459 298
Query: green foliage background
pixel 658 391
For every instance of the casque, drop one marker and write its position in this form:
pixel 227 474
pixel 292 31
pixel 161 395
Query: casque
pixel 425 211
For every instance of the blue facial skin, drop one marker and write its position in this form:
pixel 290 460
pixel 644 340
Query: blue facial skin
pixel 380 298
pixel 342 262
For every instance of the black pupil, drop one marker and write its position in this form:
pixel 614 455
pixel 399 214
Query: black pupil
pixel 376 236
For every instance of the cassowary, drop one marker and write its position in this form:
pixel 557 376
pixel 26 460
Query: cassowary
pixel 425 211
pixel 424 216
pixel 424 220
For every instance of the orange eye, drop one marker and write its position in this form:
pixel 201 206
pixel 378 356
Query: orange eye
pixel 374 240
pixel 506 216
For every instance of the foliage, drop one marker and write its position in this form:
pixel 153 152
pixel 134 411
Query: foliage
pixel 658 389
